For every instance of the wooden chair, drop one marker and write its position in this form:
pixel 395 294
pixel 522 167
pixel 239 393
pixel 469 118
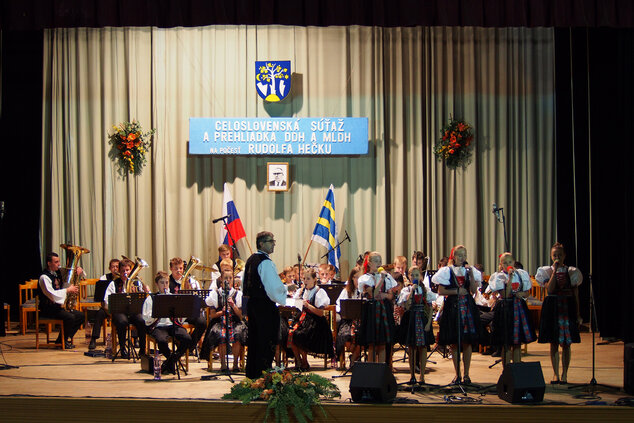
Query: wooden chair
pixel 27 302
pixel 7 307
pixel 49 322
pixel 86 301
pixel 330 313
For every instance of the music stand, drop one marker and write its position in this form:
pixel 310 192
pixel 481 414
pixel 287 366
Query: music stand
pixel 173 306
pixel 128 304
pixel 351 309
pixel 203 294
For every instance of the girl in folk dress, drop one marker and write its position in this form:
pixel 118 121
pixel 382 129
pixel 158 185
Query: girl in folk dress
pixel 226 326
pixel 560 320
pixel 346 333
pixel 416 332
pixel 311 332
pixel 377 320
pixel 458 282
pixel 511 323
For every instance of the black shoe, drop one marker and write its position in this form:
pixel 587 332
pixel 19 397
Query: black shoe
pixel 68 345
pixel 124 354
pixel 93 344
pixel 496 353
pixel 487 351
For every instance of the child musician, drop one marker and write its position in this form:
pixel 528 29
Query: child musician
pixel 511 322
pixel 311 332
pixel 377 320
pixel 415 331
pixel 559 323
pixel 161 329
pixel 121 320
pixel 458 282
pixel 223 327
pixel 346 332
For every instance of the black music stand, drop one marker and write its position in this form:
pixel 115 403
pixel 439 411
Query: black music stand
pixel 203 294
pixel 173 306
pixel 351 309
pixel 128 304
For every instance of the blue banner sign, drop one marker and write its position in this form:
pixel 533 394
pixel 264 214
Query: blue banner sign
pixel 278 136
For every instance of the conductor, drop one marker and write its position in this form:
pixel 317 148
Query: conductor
pixel 263 287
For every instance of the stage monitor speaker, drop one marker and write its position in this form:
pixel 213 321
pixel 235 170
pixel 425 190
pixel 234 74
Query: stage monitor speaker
pixel 628 369
pixel 522 383
pixel 372 382
pixel 147 363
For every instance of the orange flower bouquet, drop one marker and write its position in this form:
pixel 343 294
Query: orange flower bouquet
pixel 456 144
pixel 129 145
pixel 283 389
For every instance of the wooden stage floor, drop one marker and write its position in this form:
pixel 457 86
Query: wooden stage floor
pixel 60 385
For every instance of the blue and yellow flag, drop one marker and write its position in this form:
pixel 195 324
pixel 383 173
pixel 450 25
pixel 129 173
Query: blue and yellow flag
pixel 325 232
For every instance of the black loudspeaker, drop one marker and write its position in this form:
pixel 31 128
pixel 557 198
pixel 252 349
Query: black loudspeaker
pixel 372 382
pixel 522 383
pixel 628 369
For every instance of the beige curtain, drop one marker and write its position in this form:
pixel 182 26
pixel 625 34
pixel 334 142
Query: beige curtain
pixel 396 199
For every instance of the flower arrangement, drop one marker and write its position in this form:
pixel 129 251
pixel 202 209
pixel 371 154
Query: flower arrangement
pixel 282 389
pixel 455 146
pixel 129 145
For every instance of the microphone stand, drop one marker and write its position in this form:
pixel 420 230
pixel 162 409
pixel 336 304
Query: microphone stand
pixel 236 254
pixel 592 385
pixel 503 221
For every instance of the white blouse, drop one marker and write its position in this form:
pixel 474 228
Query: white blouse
pixel 371 279
pixel 545 272
pixel 430 297
pixel 212 298
pixel 321 297
pixel 443 275
pixel 498 280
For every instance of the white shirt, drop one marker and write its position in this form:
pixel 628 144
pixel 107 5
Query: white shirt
pixel 343 295
pixel 273 285
pixel 498 280
pixel 212 299
pixel 371 279
pixel 545 272
pixel 443 275
pixel 321 297
pixel 430 297
pixel 56 295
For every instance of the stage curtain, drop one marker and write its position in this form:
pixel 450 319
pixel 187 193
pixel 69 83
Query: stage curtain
pixel 398 198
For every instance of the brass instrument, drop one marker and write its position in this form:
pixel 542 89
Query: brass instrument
pixel 191 264
pixel 239 267
pixel 70 303
pixel 132 277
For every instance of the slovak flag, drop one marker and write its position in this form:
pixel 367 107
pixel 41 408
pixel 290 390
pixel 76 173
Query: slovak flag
pixel 233 221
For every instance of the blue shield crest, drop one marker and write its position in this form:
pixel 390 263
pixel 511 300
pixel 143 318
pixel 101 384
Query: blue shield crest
pixel 273 79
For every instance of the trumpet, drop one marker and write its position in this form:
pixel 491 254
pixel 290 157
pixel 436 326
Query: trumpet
pixel 134 284
pixel 191 264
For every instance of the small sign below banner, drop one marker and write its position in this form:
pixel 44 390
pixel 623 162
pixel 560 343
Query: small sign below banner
pixel 278 136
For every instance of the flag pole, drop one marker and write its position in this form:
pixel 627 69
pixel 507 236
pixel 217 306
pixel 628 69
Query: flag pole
pixel 308 249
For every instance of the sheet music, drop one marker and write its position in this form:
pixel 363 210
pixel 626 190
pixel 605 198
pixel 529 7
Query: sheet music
pixel 295 302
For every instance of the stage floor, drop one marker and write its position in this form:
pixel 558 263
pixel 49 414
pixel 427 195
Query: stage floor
pixel 70 374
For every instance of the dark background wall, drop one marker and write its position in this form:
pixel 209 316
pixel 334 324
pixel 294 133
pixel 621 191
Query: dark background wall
pixel 594 111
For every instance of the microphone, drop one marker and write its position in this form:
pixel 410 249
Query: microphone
pixel 220 218
pixel 496 211
pixel 509 269
pixel 2 211
pixel 299 258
